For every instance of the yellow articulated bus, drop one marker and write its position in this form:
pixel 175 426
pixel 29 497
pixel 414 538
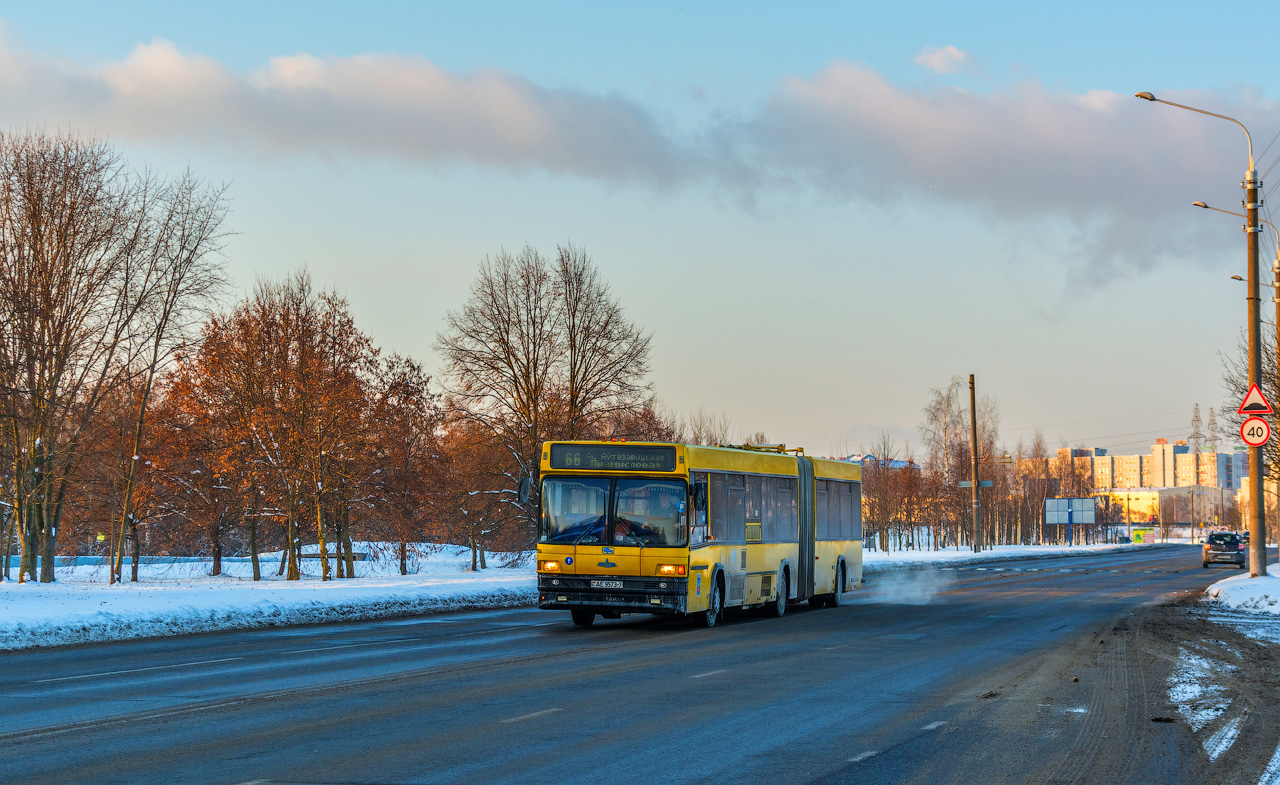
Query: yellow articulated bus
pixel 641 527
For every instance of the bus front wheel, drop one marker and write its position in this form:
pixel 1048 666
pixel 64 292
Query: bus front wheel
pixel 715 604
pixel 583 618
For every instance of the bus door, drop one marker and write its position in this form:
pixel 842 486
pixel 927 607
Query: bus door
pixel 804 570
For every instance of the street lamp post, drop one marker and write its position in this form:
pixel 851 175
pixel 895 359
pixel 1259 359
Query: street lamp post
pixel 1251 184
pixel 1275 292
pixel 1275 299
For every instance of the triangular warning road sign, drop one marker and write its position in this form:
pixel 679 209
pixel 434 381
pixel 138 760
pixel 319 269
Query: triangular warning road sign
pixel 1255 403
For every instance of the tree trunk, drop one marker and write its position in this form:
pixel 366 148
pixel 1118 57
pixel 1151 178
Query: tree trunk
pixel 217 552
pixel 404 558
pixel 473 552
pixel 134 550
pixel 27 532
pixel 253 548
pixel 8 544
pixel 324 554
pixel 482 547
pixel 48 545
pixel 294 552
pixel 346 540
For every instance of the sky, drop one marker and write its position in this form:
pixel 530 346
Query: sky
pixel 821 211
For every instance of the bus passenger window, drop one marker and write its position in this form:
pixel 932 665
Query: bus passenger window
pixel 769 526
pixel 719 507
pixel 736 514
pixel 698 533
pixel 824 520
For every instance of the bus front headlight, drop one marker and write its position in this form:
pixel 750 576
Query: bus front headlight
pixel 549 566
pixel 671 569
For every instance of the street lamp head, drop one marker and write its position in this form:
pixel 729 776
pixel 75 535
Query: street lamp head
pixel 1236 278
pixel 1200 204
pixel 1145 96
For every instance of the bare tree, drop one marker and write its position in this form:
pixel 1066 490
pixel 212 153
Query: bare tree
pixel 704 427
pixel 606 357
pixel 83 246
pixel 183 275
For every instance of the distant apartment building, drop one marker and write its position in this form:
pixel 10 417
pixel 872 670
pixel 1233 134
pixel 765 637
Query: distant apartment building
pixel 1169 465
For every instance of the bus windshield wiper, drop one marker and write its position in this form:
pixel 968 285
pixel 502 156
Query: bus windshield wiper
pixel 589 529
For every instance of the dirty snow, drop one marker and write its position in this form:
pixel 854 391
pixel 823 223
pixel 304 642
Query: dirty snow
pixel 1240 592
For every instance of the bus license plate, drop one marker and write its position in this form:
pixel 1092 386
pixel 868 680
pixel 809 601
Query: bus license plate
pixel 606 584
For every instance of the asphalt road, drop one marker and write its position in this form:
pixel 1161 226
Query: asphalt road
pixel 876 691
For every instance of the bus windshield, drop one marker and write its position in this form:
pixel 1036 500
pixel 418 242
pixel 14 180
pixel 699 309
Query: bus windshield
pixel 645 513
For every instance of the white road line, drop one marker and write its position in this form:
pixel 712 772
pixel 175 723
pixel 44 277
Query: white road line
pixel 542 713
pixel 861 756
pixel 933 725
pixel 830 648
pixel 137 670
pixel 348 645
pixel 708 673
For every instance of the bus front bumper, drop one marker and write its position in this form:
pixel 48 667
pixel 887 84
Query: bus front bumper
pixel 616 593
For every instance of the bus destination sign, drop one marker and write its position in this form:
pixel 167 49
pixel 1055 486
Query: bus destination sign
pixel 613 457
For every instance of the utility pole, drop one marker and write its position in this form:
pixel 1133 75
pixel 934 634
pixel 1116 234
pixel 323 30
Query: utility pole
pixel 973 441
pixel 1257 521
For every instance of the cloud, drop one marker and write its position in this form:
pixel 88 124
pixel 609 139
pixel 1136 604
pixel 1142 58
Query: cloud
pixel 1118 172
pixel 376 104
pixel 947 60
pixel 1110 175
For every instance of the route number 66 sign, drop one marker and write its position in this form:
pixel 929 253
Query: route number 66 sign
pixel 1255 431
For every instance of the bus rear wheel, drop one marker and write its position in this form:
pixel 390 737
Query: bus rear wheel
pixel 837 596
pixel 583 618
pixel 779 606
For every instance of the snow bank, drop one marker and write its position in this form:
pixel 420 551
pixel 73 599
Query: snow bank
pixel 1240 592
pixel 181 597
pixel 178 597
pixel 879 561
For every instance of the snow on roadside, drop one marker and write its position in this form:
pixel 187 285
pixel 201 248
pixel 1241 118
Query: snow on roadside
pixel 180 597
pixel 879 561
pixel 1242 593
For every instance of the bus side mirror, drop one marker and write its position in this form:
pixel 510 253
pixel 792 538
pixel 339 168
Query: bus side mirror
pixel 525 487
pixel 700 496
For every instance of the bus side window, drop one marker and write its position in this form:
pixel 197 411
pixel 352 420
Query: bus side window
pixel 736 514
pixel 845 499
pixel 822 504
pixel 786 518
pixel 719 507
pixel 769 522
pixel 856 504
pixel 701 492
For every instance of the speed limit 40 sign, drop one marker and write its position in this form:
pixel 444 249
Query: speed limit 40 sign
pixel 1255 431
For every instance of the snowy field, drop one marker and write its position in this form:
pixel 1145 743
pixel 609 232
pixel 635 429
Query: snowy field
pixel 181 597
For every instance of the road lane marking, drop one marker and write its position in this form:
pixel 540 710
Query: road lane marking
pixel 542 713
pixel 349 645
pixel 934 725
pixel 861 756
pixel 830 648
pixel 708 673
pixel 137 670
